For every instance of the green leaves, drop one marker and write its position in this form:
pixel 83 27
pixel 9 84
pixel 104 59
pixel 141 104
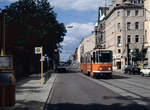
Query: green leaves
pixel 33 21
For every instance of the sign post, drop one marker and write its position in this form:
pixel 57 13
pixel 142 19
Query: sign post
pixel 39 50
pixel 7 82
pixel 7 77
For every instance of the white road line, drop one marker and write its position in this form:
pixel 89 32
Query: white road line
pixel 119 91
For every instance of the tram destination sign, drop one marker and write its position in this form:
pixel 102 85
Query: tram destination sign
pixel 5 62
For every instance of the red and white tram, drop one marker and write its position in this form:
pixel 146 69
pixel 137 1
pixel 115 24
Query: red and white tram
pixel 97 63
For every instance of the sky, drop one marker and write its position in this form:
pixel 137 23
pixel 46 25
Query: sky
pixel 81 14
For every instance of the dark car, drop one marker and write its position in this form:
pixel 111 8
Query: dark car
pixel 61 67
pixel 135 70
pixel 132 69
pixel 127 69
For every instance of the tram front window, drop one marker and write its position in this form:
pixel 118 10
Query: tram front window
pixel 105 56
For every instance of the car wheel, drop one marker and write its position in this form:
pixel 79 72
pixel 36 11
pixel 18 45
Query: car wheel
pixel 129 72
pixel 142 74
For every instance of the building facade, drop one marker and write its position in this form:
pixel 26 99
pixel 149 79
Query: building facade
pixel 147 29
pixel 124 31
pixel 87 44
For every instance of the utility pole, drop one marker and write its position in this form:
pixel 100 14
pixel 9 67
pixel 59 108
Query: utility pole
pixel 3 35
pixel 128 53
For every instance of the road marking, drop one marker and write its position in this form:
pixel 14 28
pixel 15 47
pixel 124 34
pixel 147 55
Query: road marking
pixel 118 90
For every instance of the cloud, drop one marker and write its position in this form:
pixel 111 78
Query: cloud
pixel 73 38
pixel 80 5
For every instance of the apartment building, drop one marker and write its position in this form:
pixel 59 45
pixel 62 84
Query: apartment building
pixel 123 31
pixel 100 27
pixel 147 29
pixel 87 44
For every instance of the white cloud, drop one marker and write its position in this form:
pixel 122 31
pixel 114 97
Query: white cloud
pixel 74 36
pixel 80 5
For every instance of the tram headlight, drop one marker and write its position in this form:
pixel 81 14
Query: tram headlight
pixel 109 68
pixel 100 68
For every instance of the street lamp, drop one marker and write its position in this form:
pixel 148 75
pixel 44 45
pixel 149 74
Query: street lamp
pixel 71 26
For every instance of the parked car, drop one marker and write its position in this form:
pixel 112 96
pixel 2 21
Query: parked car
pixel 127 68
pixel 135 70
pixel 145 71
pixel 132 69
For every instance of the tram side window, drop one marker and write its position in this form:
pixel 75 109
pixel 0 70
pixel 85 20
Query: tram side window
pixel 84 59
pixel 87 58
pixel 81 60
pixel 94 57
pixel 97 53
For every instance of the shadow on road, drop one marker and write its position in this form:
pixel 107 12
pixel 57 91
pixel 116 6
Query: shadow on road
pixel 144 99
pixel 119 77
pixel 117 106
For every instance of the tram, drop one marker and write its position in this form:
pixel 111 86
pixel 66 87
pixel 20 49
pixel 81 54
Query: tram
pixel 97 63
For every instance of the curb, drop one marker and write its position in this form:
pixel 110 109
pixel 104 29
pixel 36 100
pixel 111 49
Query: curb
pixel 50 92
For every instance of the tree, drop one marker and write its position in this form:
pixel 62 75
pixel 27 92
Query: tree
pixel 31 23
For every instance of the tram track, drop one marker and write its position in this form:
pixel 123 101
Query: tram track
pixel 130 95
pixel 145 98
pixel 135 84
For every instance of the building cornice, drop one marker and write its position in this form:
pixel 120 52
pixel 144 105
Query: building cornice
pixel 124 7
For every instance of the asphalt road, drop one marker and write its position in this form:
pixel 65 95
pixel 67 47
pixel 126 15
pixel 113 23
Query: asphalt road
pixel 74 91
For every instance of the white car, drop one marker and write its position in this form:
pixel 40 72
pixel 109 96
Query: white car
pixel 145 71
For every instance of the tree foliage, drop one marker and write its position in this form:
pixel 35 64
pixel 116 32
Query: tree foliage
pixel 32 23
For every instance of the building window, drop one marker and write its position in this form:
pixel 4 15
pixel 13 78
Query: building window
pixel 129 39
pixel 119 51
pixel 139 1
pixel 119 41
pixel 128 25
pixel 137 50
pixel 145 40
pixel 118 13
pixel 136 25
pixel 101 38
pixel 128 13
pixel 118 26
pixel 136 12
pixel 131 1
pixel 137 38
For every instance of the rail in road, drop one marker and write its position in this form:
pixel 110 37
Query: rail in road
pixel 76 91
pixel 136 89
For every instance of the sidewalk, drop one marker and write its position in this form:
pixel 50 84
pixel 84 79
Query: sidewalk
pixel 31 95
pixel 119 71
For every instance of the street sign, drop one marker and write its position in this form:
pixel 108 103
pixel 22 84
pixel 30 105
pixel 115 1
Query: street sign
pixel 38 50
